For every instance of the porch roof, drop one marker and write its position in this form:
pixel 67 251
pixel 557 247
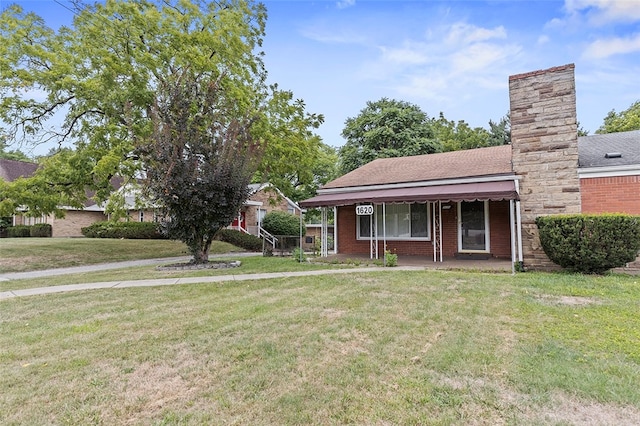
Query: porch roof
pixel 492 191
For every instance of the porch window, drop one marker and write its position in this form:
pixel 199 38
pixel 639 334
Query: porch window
pixel 403 222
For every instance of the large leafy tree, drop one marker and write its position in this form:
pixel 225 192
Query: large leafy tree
pixel 386 128
pixel 119 73
pixel 11 154
pixel 500 132
pixel 199 160
pixel 622 121
pixel 455 136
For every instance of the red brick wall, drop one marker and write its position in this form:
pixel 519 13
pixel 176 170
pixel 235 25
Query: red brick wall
pixel 498 223
pixel 500 237
pixel 619 194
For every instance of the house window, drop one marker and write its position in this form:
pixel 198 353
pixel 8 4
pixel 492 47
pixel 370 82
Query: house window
pixel 141 216
pixel 400 222
pixel 261 214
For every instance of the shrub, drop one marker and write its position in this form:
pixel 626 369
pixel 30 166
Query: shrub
pixel 18 231
pixel 298 255
pixel 281 223
pixel 240 239
pixel 41 230
pixel 590 243
pixel 126 230
pixel 391 259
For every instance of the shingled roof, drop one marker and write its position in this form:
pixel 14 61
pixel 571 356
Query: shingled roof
pixel 610 149
pixel 11 170
pixel 490 161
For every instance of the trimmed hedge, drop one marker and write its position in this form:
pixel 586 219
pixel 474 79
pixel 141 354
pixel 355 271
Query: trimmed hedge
pixel 240 239
pixel 590 243
pixel 19 231
pixel 126 230
pixel 41 230
pixel 281 223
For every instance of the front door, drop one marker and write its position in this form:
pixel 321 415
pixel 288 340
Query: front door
pixel 473 226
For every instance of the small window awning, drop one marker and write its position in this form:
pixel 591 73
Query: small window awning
pixel 480 191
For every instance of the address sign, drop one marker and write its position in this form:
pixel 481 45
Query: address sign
pixel 366 210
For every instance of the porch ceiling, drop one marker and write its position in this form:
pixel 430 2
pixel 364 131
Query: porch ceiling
pixel 492 191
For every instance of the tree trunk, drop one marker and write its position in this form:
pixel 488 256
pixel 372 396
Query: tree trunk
pixel 201 250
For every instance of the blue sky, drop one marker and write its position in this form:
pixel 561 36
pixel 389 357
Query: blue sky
pixel 453 57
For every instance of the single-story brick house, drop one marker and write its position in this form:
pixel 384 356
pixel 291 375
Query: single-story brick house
pixel 263 198
pixel 482 203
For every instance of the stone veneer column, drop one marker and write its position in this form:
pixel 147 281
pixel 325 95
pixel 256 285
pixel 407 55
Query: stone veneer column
pixel 544 142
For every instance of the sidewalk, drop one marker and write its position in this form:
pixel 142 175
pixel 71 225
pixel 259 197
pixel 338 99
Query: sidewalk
pixel 407 263
pixel 194 280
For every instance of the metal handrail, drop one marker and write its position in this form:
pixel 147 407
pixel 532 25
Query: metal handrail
pixel 267 236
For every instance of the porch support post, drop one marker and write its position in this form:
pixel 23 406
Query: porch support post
pixel 384 234
pixel 371 236
pixel 440 227
pixel 335 231
pixel 375 227
pixel 513 237
pixel 435 230
pixel 323 233
pixel 519 223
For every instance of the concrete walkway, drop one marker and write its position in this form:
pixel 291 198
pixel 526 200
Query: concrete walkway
pixel 193 280
pixel 406 263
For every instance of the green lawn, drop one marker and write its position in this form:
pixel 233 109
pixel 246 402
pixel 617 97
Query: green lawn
pixel 388 347
pixel 31 254
pixel 249 265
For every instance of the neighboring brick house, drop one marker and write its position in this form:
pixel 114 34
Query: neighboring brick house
pixel 263 198
pixel 74 219
pixel 484 202
pixel 609 171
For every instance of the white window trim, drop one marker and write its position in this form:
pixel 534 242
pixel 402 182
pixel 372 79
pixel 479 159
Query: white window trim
pixel 487 230
pixel 388 238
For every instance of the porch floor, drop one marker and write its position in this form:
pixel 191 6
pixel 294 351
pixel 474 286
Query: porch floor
pixel 448 263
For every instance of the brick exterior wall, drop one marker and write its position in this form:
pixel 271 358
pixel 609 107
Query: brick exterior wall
pixel 73 222
pixel 545 151
pixel 617 194
pixel 147 215
pixel 500 236
pixel 270 202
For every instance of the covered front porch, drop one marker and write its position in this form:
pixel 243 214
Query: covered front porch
pixel 428 225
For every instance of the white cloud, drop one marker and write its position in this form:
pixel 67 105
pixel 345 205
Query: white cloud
pixel 343 4
pixel 462 33
pixel 543 39
pixel 449 64
pixel 409 54
pixel 344 36
pixel 604 48
pixel 602 12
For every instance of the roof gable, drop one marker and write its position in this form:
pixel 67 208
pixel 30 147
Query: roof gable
pixel 489 161
pixel 610 149
pixel 11 170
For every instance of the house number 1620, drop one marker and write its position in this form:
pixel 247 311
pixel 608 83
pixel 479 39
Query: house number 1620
pixel 366 210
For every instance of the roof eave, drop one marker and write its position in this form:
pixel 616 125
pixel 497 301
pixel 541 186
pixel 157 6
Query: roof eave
pixel 438 182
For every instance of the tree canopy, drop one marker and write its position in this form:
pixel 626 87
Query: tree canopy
pixel 623 121
pixel 392 128
pixel 13 154
pixel 116 72
pixel 386 128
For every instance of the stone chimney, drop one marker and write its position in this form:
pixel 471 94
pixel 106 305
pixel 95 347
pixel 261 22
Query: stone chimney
pixel 544 139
